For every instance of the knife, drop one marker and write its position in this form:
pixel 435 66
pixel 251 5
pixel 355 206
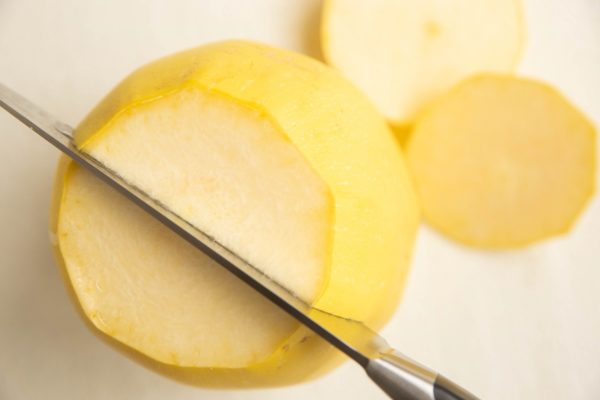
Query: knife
pixel 397 375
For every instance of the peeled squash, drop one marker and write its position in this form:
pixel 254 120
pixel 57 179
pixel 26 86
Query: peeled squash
pixel 273 154
pixel 501 162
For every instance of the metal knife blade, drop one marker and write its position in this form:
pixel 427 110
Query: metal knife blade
pixel 396 374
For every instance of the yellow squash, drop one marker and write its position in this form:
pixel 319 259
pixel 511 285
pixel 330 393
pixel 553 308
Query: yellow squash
pixel 336 177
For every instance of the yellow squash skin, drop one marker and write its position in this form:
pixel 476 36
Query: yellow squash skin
pixel 344 140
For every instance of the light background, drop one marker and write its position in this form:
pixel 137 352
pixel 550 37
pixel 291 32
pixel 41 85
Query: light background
pixel 513 325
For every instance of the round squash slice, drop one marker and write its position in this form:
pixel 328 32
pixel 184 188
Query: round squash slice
pixel 404 53
pixel 501 162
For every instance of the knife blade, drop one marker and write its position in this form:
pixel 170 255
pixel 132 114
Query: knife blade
pixel 397 375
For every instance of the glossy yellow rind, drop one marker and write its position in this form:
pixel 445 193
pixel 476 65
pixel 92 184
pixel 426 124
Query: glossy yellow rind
pixel 349 146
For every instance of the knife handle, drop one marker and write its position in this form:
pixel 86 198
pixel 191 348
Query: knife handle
pixel 404 379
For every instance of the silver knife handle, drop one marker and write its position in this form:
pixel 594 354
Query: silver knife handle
pixel 404 379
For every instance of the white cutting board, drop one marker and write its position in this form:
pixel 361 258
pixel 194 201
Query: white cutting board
pixel 514 325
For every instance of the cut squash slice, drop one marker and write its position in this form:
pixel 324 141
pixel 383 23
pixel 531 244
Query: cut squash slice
pixel 404 53
pixel 502 162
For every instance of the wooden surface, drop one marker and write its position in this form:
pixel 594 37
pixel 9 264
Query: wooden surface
pixel 511 325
